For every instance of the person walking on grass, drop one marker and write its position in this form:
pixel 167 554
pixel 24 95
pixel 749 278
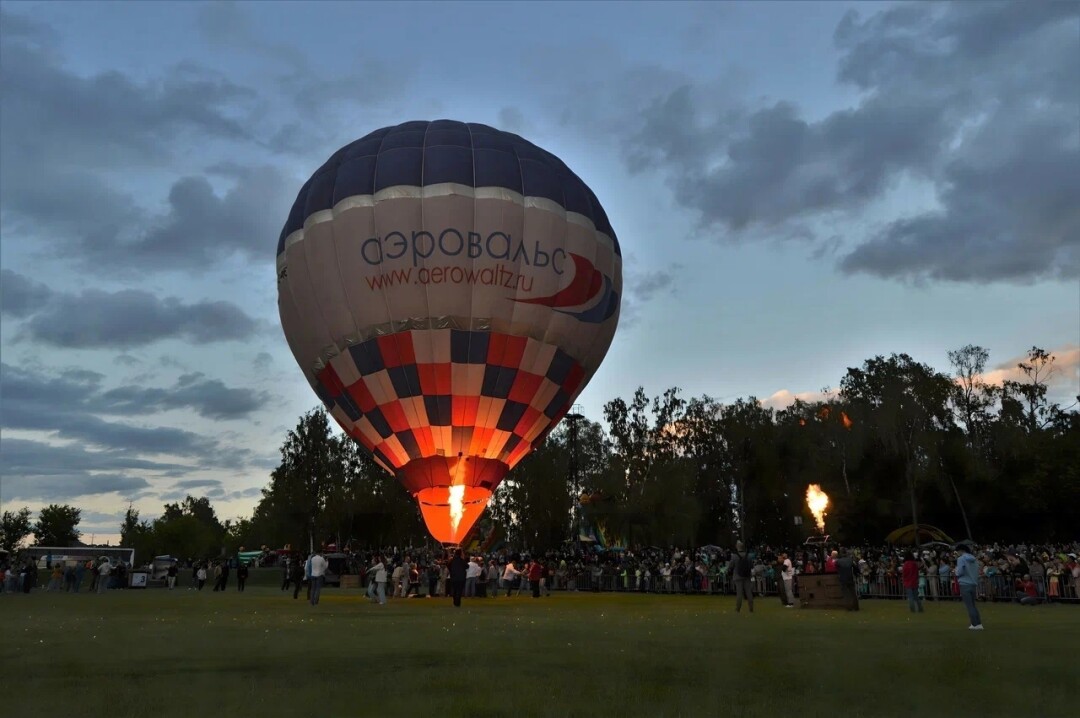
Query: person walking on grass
pixel 536 572
pixel 377 586
pixel 741 570
pixel 509 574
pixel 103 576
pixel 911 583
pixel 170 577
pixel 200 577
pixel 296 576
pixel 967 576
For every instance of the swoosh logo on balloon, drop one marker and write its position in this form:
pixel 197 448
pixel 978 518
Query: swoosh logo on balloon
pixel 589 286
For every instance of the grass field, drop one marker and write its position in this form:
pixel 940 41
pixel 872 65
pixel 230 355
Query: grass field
pixel 260 653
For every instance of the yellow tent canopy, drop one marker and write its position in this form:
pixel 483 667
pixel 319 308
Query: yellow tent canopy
pixel 905 535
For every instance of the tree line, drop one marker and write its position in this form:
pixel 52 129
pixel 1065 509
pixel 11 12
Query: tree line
pixel 899 442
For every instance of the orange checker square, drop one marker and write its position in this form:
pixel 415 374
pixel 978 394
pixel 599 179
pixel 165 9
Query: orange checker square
pixel 528 419
pixel 367 443
pixel 397 349
pixel 488 411
pixel 518 454
pixel 395 415
pixel 505 350
pixel 495 446
pixel 434 378
pixel 481 438
pixel 330 381
pixel 415 411
pixel 425 440
pixel 392 450
pixel 361 396
pixel 525 387
pixel 444 440
pixel 464 409
pixel 542 424
pixel 573 378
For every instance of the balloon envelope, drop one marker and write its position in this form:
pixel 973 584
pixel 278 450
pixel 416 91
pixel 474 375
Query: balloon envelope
pixel 448 290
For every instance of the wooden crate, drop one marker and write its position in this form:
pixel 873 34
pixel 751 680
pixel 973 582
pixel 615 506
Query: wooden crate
pixel 820 590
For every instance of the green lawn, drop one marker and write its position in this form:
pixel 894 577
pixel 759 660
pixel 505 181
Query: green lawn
pixel 183 653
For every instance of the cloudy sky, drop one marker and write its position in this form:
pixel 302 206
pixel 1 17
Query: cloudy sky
pixel 796 188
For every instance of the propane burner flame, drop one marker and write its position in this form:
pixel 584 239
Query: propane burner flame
pixel 457 507
pixel 818 501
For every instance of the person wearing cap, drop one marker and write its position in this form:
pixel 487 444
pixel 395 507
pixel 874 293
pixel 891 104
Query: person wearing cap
pixel 740 568
pixel 967 576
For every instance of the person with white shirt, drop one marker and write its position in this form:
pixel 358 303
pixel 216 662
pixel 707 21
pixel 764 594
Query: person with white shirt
pixel 103 576
pixel 509 574
pixel 472 573
pixel 788 575
pixel 318 575
pixel 377 585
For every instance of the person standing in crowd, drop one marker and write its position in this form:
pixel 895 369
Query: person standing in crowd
pixel 845 572
pixel 296 576
pixel 967 576
pixel 318 572
pixel 224 573
pixel 432 578
pixel 170 575
pixel 458 572
pixel 788 574
pixel 377 585
pixel 493 579
pixel 103 576
pixel 80 571
pixel 740 569
pixel 509 574
pixel 286 570
pixel 910 572
pixel 200 576
pixel 536 572
pixel 241 576
pixel 830 562
pixel 472 572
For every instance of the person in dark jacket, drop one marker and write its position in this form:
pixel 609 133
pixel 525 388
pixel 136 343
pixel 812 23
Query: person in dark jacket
pixel 296 575
pixel 845 570
pixel 241 576
pixel 458 569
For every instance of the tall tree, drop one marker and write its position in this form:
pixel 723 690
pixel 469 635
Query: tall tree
pixel 14 527
pixel 907 402
pixel 56 525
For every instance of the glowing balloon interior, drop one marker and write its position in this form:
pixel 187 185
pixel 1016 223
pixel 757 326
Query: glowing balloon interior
pixel 448 290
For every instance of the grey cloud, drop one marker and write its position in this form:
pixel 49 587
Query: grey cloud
pixel 978 99
pixel 127 360
pixel 511 119
pixel 64 133
pixel 641 287
pixel 196 483
pixel 35 470
pixel 20 296
pixel 96 319
pixel 68 409
pixel 263 361
pixel 210 398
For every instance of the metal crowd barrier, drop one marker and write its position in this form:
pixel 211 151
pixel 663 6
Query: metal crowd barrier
pixel 932 588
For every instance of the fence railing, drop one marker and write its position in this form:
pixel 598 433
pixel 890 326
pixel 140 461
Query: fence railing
pixel 932 588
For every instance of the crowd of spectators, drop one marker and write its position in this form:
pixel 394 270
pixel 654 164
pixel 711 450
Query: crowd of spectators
pixel 1042 573
pixel 1052 570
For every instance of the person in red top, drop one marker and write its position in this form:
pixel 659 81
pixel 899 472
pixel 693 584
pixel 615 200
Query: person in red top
pixel 830 563
pixel 536 572
pixel 911 583
pixel 1026 592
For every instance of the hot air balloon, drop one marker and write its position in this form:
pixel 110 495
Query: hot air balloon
pixel 448 290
